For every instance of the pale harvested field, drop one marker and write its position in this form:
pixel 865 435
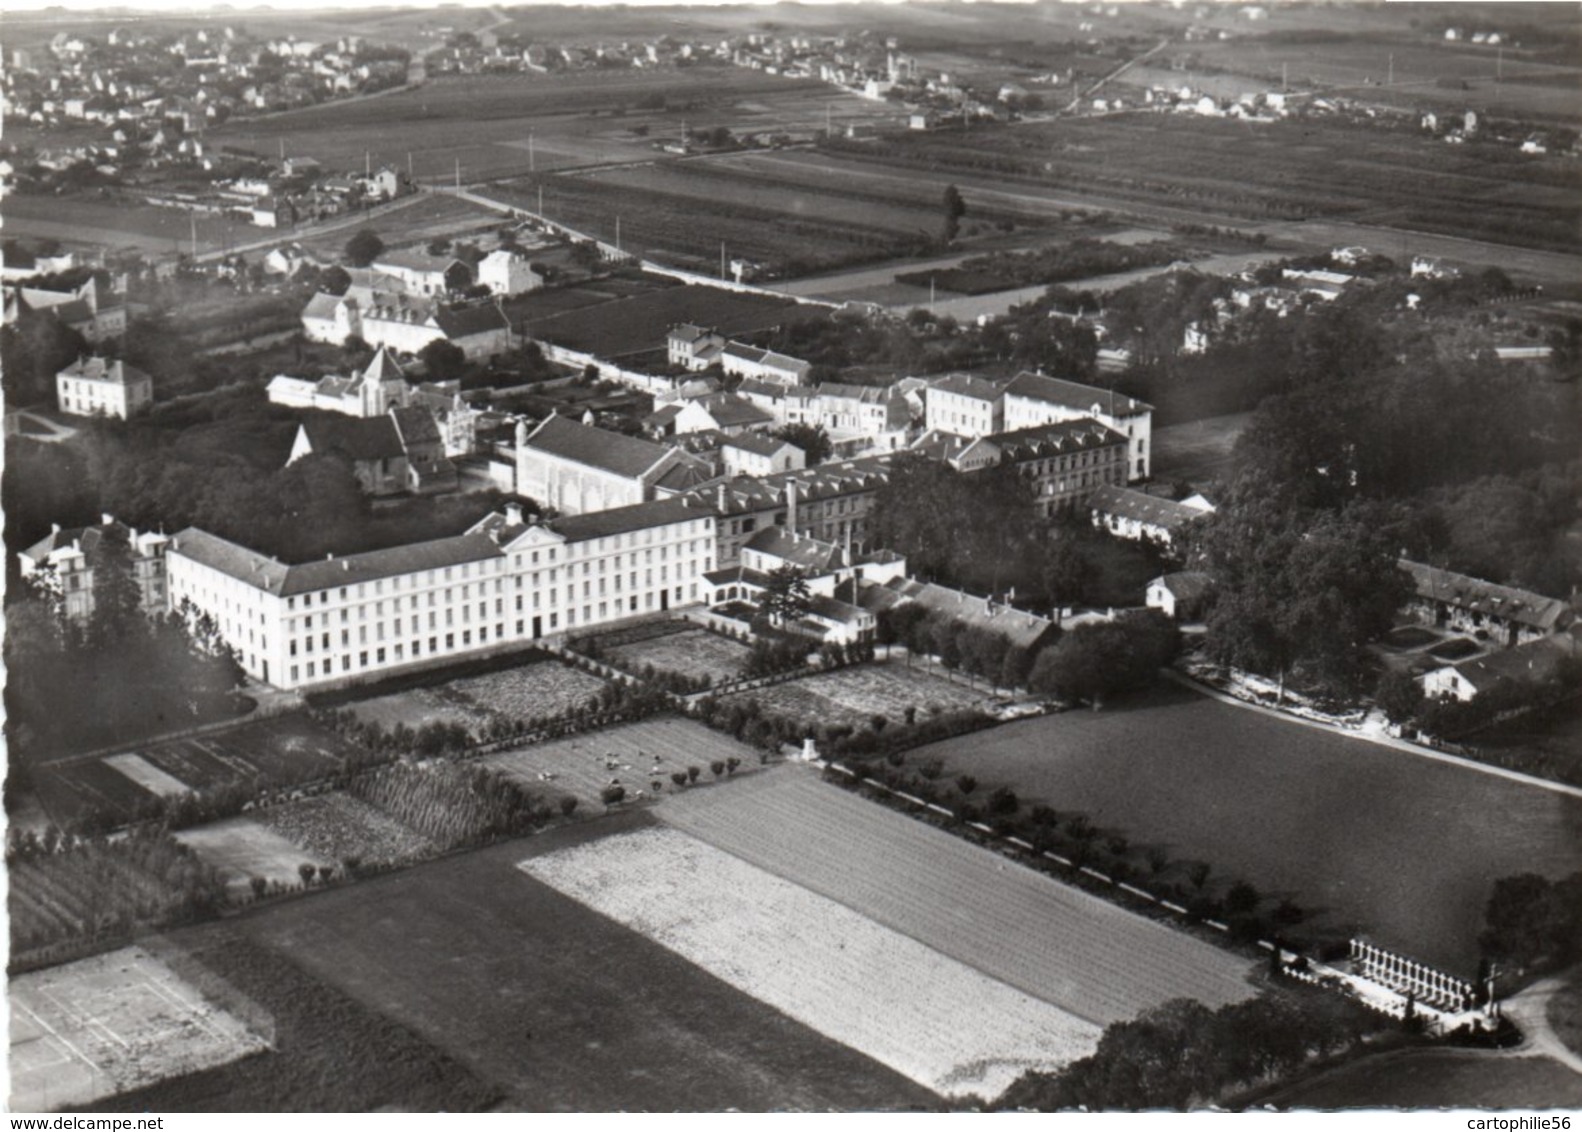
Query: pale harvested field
pixel 855 695
pixel 579 765
pixel 1085 955
pixel 242 848
pixel 932 1018
pixel 114 1022
pixel 697 652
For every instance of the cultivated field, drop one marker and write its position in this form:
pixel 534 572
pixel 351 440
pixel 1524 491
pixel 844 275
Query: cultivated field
pixel 1364 837
pixel 695 652
pixel 464 983
pixel 241 848
pixel 337 826
pixel 1091 958
pixel 531 691
pixel 635 754
pixel 1439 1078
pixel 855 695
pixel 934 1019
pixel 101 1026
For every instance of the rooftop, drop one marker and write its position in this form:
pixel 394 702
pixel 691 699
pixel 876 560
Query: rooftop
pixel 1061 436
pixel 810 555
pixel 596 447
pixel 968 385
pixel 1074 395
pixel 1521 606
pixel 102 369
pixel 1139 506
pixel 356 438
pixel 621 520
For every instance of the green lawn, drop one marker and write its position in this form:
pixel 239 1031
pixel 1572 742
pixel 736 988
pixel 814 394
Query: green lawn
pixel 1367 837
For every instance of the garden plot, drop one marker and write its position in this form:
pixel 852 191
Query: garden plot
pixel 931 1018
pixel 581 766
pixel 243 847
pixel 695 652
pixel 338 826
pixel 418 707
pixel 115 1022
pixel 853 696
pixel 1087 956
pixel 537 690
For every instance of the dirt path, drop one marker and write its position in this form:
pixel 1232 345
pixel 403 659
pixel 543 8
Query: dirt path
pixel 1530 1011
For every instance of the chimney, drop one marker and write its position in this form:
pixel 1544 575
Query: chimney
pixel 346 566
pixel 54 528
pixel 106 518
pixel 329 556
pixel 721 497
pixel 513 514
pixel 791 504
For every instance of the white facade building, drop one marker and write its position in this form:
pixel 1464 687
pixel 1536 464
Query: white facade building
pixel 92 387
pixel 964 405
pixel 1031 399
pixel 506 272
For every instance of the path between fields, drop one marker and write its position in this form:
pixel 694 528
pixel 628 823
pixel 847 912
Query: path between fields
pixel 1382 740
pixel 1530 1011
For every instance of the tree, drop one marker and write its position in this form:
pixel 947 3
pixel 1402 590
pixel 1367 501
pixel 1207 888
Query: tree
pixel 1067 573
pixel 612 794
pixel 1399 696
pixel 1094 661
pixel 955 208
pixel 306 871
pixel 363 248
pixel 1533 922
pixel 812 439
pixel 786 595
pixel 443 359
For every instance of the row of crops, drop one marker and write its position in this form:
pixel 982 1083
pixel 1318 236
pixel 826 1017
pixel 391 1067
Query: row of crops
pixel 449 803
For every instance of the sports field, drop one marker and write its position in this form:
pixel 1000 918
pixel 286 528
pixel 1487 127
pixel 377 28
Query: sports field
pixel 101 1026
pixel 1365 837
pixel 934 1019
pixel 1057 943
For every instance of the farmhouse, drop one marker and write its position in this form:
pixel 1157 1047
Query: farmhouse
pixel 1181 596
pixel 692 347
pixel 95 387
pixel 61 564
pixel 1032 399
pixel 1471 605
pixel 1528 665
pixel 501 583
pixel 962 404
pixel 577 469
pixel 1140 517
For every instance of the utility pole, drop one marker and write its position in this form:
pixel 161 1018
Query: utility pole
pixel 368 163
pixel 617 233
pixel 1390 81
pixel 1284 70
pixel 192 220
pixel 458 174
pixel 1499 63
pixel 531 166
pixel 541 201
pixel 829 128
pixel 722 259
pixel 409 165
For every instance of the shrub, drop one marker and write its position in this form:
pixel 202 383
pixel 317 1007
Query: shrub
pixel 306 871
pixel 612 794
pixel 568 806
pixel 966 783
pixel 679 777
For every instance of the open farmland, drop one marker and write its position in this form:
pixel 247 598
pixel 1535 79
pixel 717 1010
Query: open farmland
pixel 465 982
pixel 101 1026
pixel 695 652
pixel 1047 939
pixel 934 1019
pixel 1365 837
pixel 853 696
pixel 634 754
pixel 1438 1078
pixel 243 847
pixel 483 122
pixel 1280 171
pixel 639 324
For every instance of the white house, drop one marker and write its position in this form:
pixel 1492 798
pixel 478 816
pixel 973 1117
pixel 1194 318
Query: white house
pixel 963 404
pixel 752 363
pixel 1180 596
pixel 405 323
pixel 753 454
pixel 1140 517
pixel 61 565
pixel 98 387
pixel 507 272
pixel 693 347
pixel 422 274
pixel 1533 663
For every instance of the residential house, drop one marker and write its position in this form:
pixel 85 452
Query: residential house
pixel 405 323
pixel 726 412
pixel 1525 666
pixel 1182 596
pixel 420 273
pixel 1020 629
pixel 749 362
pixel 693 347
pixel 753 454
pixel 92 387
pixel 1032 399
pixel 507 272
pixel 62 565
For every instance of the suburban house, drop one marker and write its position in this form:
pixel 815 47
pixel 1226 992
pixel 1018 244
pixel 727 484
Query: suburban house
pixel 963 404
pixel 96 317
pixel 578 469
pixel 692 347
pixel 1181 596
pixel 1526 665
pixel 753 454
pixel 61 564
pixel 98 387
pixel 507 272
pixel 726 412
pixel 1032 399
pixel 1464 604
pixel 499 585
pixel 419 273
pixel 1130 514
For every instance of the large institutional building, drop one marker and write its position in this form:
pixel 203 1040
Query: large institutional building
pixel 502 582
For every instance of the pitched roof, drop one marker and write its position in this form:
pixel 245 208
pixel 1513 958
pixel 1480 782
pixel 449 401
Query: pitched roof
pixel 382 368
pixel 1521 606
pixel 1139 506
pixel 613 452
pixel 622 520
pixel 414 260
pixel 1060 436
pixel 463 322
pixel 803 552
pixel 1186 585
pixel 728 409
pixel 88 538
pixel 1074 395
pixel 1530 663
pixel 689 333
pixel 101 369
pixel 756 443
pixel 1022 629
pixel 322 306
pixel 415 426
pixel 274 576
pixel 357 438
pixel 968 385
